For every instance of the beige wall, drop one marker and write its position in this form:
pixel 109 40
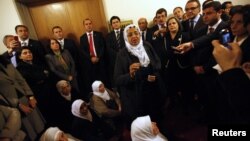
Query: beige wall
pixel 9 19
pixel 125 9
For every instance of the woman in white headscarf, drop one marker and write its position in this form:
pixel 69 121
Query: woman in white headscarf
pixel 86 124
pixel 55 134
pixel 137 77
pixel 105 102
pixel 143 129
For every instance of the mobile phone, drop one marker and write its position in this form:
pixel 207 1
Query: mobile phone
pixel 16 38
pixel 225 37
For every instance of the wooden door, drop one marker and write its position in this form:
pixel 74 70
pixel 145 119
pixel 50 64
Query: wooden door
pixel 69 15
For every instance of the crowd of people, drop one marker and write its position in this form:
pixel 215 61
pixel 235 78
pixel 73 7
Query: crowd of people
pixel 129 79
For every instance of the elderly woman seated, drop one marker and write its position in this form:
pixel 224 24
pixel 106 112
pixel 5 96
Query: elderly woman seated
pixel 105 102
pixel 55 134
pixel 143 129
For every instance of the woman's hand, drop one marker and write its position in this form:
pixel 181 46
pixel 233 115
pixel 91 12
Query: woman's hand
pixel 133 68
pixel 151 78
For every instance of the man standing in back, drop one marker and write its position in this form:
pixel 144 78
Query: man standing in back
pixel 114 42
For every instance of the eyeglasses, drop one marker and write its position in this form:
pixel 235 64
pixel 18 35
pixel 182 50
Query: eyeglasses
pixel 191 8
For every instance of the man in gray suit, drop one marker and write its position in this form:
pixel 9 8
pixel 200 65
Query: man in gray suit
pixel 16 93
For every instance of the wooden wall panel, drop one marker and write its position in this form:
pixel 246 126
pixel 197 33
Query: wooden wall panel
pixel 69 15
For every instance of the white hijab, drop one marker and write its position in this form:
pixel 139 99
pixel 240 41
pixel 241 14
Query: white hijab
pixel 138 50
pixel 141 130
pixel 53 134
pixel 95 87
pixel 59 85
pixel 75 109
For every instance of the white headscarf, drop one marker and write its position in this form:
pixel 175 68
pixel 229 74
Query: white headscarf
pixel 137 50
pixel 95 87
pixel 51 134
pixel 141 130
pixel 59 85
pixel 75 109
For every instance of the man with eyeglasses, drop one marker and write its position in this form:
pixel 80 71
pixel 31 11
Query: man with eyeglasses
pixel 195 21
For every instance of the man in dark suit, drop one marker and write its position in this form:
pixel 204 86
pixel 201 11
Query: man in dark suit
pixel 203 60
pixel 145 32
pixel 114 43
pixel 193 8
pixel 35 46
pixel 92 46
pixel 158 40
pixel 158 32
pixel 66 43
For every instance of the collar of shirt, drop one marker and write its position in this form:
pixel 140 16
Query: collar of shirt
pixel 214 26
pixel 61 41
pixel 90 33
pixel 241 41
pixel 195 19
pixel 159 25
pixel 25 41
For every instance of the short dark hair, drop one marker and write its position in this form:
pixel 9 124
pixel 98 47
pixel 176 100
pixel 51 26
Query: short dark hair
pixel 159 11
pixel 49 48
pixel 56 27
pixel 224 4
pixel 246 10
pixel 178 8
pixel 24 26
pixel 197 1
pixel 113 18
pixel 19 52
pixel 237 9
pixel 215 4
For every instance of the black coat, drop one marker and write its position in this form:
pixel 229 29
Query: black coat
pixel 83 129
pixel 134 103
pixel 233 99
pixel 92 71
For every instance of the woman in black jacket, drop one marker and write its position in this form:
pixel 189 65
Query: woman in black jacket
pixel 137 77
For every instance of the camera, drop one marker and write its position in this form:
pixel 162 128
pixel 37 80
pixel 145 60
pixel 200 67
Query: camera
pixel 225 37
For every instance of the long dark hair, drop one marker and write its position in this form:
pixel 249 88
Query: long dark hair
pixel 50 51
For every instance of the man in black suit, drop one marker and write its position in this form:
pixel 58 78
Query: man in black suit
pixel 35 46
pixel 158 40
pixel 66 43
pixel 114 43
pixel 145 32
pixel 92 46
pixel 203 60
pixel 193 8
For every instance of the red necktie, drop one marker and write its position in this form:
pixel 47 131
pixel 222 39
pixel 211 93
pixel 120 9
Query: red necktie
pixel 91 46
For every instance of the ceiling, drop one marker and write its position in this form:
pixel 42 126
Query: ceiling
pixel 35 2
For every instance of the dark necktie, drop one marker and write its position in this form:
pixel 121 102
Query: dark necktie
pixel 143 35
pixel 211 30
pixel 191 25
pixel 91 46
pixel 118 39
